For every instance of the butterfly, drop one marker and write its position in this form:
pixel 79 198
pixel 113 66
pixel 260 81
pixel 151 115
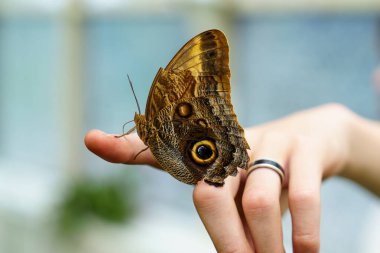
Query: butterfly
pixel 189 122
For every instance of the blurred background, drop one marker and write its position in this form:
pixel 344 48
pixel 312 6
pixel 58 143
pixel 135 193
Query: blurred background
pixel 63 67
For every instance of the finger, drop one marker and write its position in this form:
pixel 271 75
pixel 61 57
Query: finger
pixel 304 199
pixel 219 214
pixel 118 150
pixel 262 210
pixel 261 198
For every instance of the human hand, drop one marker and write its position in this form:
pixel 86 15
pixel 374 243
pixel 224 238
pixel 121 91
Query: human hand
pixel 245 214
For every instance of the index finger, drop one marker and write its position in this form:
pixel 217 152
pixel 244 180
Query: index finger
pixel 119 150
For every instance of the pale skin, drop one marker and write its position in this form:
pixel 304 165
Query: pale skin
pixel 245 214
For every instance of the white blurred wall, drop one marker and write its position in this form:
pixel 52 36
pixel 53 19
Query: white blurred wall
pixel 63 67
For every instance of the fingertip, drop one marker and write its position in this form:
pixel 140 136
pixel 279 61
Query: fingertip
pixel 101 144
pixel 92 136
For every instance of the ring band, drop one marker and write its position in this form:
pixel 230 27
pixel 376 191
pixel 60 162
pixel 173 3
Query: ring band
pixel 267 164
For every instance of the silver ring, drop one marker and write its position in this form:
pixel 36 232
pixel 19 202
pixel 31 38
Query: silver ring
pixel 267 164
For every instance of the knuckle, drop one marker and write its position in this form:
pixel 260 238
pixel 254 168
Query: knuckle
pixel 303 198
pixel 340 112
pixel 273 137
pixel 306 144
pixel 306 242
pixel 337 107
pixel 301 141
pixel 231 249
pixel 258 203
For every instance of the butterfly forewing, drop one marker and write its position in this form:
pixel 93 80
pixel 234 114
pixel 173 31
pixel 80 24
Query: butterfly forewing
pixel 203 58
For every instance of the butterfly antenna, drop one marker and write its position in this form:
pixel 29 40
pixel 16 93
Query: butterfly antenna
pixel 134 94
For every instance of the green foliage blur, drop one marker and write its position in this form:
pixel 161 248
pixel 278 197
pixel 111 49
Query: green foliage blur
pixel 110 200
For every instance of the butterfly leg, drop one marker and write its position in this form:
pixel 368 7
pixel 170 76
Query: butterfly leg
pixel 141 152
pixel 129 131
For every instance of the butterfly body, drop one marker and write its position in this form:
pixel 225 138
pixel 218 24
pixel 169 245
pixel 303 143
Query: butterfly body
pixel 189 122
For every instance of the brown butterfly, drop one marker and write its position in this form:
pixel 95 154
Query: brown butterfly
pixel 189 122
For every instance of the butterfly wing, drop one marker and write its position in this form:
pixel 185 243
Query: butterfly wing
pixel 189 110
pixel 200 68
